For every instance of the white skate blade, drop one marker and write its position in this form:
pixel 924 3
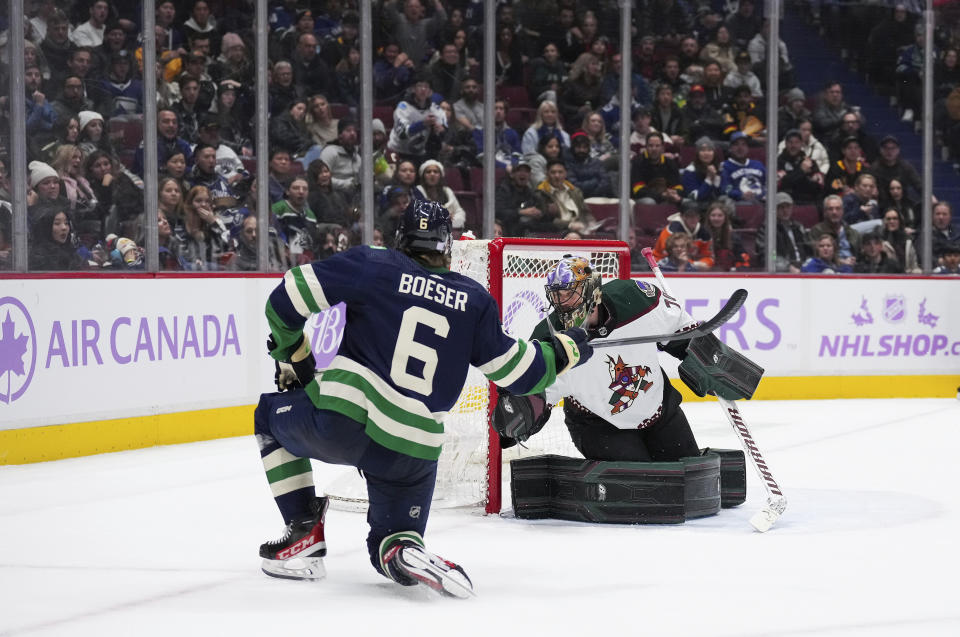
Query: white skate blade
pixel 298 568
pixel 434 573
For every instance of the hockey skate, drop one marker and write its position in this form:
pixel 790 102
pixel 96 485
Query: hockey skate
pixel 299 553
pixel 407 562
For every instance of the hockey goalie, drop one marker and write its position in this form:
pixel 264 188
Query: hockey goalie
pixel 641 460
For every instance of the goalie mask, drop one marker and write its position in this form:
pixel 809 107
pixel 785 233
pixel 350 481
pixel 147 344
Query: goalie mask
pixel 573 289
pixel 424 228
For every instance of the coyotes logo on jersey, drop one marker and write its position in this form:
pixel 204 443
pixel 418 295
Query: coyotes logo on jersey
pixel 626 381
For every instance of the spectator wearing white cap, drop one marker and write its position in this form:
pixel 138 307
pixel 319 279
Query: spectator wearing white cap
pixel 433 188
pixel 44 184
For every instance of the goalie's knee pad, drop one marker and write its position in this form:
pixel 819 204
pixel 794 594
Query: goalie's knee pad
pixel 625 492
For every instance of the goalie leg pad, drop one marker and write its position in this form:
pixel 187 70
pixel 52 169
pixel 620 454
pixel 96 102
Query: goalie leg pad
pixel 581 490
pixel 710 367
pixel 733 476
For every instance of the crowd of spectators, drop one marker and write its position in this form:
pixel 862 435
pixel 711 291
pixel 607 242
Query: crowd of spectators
pixel 698 178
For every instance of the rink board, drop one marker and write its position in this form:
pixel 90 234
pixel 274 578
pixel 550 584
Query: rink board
pixel 89 365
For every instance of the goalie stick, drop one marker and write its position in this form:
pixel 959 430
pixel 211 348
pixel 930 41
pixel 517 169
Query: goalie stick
pixel 776 502
pixel 725 314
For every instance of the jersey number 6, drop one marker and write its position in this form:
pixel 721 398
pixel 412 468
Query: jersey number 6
pixel 408 348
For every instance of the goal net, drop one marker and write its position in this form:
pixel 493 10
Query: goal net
pixel 472 470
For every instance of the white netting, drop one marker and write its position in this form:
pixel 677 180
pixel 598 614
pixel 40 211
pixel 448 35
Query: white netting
pixel 462 468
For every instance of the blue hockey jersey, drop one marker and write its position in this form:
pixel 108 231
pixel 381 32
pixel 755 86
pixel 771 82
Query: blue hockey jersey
pixel 410 335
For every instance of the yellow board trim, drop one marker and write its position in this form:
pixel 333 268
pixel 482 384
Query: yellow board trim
pixel 55 442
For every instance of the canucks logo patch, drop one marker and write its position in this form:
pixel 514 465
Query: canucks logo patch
pixel 647 289
pixel 626 381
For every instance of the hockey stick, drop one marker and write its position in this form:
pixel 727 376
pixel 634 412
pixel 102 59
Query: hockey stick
pixel 725 314
pixel 776 502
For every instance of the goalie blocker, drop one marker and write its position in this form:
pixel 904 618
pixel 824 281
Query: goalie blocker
pixel 597 491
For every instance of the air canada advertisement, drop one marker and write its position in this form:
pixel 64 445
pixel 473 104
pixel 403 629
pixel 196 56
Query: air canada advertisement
pixel 74 350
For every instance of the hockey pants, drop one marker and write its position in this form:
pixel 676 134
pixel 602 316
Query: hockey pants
pixel 399 487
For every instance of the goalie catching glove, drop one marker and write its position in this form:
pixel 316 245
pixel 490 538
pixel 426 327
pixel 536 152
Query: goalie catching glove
pixel 710 367
pixel 299 370
pixel 516 418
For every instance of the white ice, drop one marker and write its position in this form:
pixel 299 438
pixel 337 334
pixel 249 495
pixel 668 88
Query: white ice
pixel 163 541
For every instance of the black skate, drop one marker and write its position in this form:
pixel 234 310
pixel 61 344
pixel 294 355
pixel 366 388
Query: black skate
pixel 299 553
pixel 408 563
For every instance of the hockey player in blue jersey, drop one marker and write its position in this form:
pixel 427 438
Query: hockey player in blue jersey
pixel 413 328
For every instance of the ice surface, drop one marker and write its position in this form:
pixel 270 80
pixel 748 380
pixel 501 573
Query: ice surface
pixel 163 541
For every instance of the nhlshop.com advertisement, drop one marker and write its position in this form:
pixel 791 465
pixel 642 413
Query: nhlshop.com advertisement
pixel 75 350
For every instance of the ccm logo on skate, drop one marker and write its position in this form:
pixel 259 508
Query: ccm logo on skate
pixel 284 409
pixel 300 546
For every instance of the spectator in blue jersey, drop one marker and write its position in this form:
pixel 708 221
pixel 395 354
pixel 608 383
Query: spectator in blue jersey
pixel 825 259
pixel 297 222
pixel 701 177
pixel 418 124
pixel 123 93
pixel 375 409
pixel 654 177
pixel 167 141
pixel 204 173
pixel 506 138
pixel 741 178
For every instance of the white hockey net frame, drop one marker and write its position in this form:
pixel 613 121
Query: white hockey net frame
pixel 473 470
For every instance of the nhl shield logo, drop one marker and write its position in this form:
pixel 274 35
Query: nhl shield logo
pixel 894 308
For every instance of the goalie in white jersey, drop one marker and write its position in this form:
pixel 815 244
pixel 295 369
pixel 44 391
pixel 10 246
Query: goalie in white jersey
pixel 619 405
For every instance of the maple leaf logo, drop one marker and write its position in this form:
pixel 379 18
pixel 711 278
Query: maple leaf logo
pixel 12 350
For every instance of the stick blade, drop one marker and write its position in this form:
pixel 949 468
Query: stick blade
pixel 768 516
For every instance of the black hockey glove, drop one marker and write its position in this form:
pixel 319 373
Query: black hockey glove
pixel 299 370
pixel 571 348
pixel 516 418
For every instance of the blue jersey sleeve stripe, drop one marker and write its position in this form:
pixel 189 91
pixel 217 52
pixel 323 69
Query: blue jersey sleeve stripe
pixel 295 295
